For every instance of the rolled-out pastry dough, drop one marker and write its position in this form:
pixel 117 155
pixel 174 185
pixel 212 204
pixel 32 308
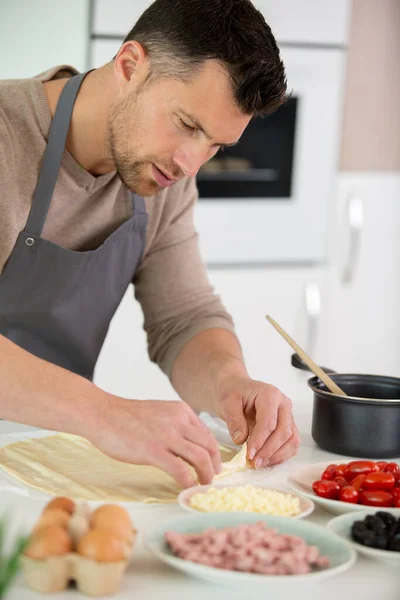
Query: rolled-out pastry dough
pixel 67 465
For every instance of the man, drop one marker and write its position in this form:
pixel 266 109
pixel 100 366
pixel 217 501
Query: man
pixel 78 153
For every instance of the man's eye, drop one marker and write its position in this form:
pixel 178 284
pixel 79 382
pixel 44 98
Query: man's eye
pixel 188 127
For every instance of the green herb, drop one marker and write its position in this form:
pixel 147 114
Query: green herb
pixel 9 564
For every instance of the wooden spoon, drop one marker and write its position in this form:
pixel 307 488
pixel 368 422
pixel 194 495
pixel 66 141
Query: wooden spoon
pixel 330 384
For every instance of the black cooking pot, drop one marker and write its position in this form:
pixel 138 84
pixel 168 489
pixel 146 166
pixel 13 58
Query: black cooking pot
pixel 366 423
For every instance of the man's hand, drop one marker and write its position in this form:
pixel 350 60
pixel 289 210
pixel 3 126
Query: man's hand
pixel 159 433
pixel 262 415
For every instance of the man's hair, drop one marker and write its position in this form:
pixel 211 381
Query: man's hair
pixel 179 35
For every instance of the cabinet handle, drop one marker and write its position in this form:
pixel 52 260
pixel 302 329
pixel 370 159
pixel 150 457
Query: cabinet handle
pixel 312 296
pixel 355 213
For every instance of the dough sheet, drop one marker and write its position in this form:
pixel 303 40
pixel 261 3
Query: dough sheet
pixel 67 465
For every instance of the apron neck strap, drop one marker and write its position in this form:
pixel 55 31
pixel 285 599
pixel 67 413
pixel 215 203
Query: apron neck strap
pixel 139 207
pixel 53 155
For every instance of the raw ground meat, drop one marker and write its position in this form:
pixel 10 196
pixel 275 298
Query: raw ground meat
pixel 248 548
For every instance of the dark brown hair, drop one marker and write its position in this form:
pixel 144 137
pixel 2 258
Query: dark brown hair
pixel 179 35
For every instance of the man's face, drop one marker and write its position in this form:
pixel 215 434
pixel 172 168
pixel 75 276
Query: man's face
pixel 168 129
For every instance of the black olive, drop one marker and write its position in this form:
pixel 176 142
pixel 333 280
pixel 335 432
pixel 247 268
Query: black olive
pixel 381 542
pixel 359 526
pixel 368 539
pixel 392 530
pixel 394 544
pixel 375 523
pixel 386 517
pixel 358 531
pixel 381 530
pixel 370 520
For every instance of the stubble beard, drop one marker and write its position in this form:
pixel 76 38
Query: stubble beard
pixel 132 173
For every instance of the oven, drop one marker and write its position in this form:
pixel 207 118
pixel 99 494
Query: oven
pixel 266 200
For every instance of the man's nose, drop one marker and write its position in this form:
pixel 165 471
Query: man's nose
pixel 189 161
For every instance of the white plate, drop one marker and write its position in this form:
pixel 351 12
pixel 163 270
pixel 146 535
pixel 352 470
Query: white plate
pixel 301 481
pixel 342 527
pixel 340 553
pixel 306 505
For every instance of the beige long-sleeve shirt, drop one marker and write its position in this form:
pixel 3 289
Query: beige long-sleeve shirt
pixel 171 283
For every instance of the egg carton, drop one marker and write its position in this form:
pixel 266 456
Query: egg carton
pixel 55 574
pixel 92 577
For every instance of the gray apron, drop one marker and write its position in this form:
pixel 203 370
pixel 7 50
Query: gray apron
pixel 57 303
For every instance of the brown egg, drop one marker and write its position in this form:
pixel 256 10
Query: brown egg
pixel 61 502
pixel 53 517
pixel 49 541
pixel 102 546
pixel 78 527
pixel 113 518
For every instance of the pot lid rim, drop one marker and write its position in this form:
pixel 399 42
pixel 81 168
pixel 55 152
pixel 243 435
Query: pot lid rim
pixel 354 398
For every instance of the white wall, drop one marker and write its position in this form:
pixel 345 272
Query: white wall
pixel 38 34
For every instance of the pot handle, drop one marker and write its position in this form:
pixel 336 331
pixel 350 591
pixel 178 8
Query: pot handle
pixel 356 224
pixel 299 364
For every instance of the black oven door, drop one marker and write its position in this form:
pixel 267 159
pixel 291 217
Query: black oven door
pixel 260 165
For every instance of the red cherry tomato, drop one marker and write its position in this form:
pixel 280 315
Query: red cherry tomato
pixel 397 478
pixel 340 470
pixel 358 481
pixel 397 502
pixel 341 481
pixel 392 468
pixel 349 494
pixel 330 473
pixel 359 467
pixel 382 464
pixel 396 493
pixel 379 481
pixel 326 489
pixel 376 498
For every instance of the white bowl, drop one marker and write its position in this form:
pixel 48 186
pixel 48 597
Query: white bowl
pixel 306 506
pixel 342 527
pixel 301 480
pixel 340 553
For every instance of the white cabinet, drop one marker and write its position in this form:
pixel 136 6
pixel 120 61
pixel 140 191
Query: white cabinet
pixel 123 367
pixel 345 314
pixel 293 21
pixel 295 298
pixel 307 21
pixel 364 277
pixel 117 17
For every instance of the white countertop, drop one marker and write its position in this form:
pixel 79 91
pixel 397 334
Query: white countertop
pixel 148 578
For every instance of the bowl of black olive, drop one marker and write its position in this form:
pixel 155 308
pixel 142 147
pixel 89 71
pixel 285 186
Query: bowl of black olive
pixel 375 534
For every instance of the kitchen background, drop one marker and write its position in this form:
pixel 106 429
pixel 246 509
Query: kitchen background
pixel 302 219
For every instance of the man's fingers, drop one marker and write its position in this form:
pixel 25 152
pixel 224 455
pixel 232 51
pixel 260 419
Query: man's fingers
pixel 265 425
pixel 200 460
pixel 282 433
pixel 203 437
pixel 182 452
pixel 232 410
pixel 176 467
pixel 288 449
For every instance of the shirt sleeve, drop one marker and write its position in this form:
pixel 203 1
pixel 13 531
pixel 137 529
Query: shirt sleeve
pixel 172 285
